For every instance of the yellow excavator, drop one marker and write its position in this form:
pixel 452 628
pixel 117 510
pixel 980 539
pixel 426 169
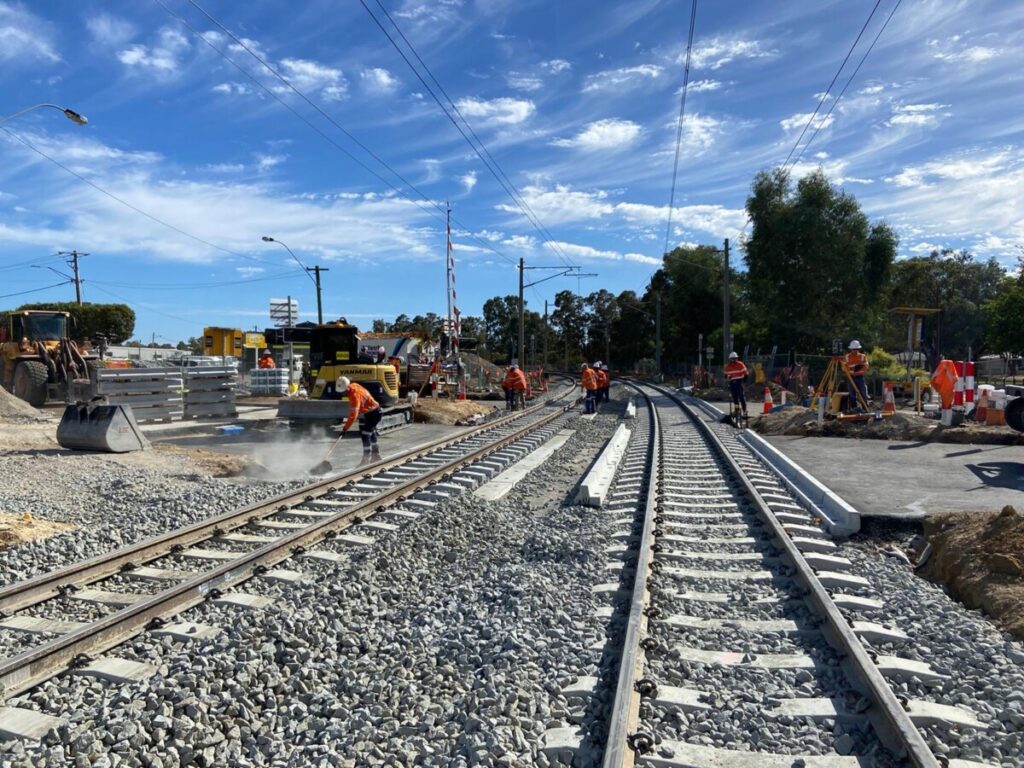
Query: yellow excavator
pixel 333 352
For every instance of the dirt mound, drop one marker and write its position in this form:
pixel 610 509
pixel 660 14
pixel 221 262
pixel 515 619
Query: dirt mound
pixel 803 422
pixel 979 558
pixel 213 463
pixel 12 407
pixel 15 529
pixel 430 411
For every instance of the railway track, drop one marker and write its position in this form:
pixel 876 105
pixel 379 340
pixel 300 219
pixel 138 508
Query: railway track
pixel 746 640
pixel 140 588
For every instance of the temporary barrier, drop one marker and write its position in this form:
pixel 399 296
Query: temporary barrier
pixel 768 403
pixel 268 381
pixel 958 387
pixel 889 401
pixel 969 386
pixel 210 391
pixel 155 394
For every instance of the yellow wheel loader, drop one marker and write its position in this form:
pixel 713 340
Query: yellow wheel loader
pixel 39 362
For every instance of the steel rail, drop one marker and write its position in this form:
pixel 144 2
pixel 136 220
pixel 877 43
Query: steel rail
pixel 37 589
pixel 36 665
pixel 626 706
pixel 891 722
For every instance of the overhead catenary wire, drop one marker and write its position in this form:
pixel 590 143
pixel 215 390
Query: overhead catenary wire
pixel 475 143
pixel 34 290
pixel 441 212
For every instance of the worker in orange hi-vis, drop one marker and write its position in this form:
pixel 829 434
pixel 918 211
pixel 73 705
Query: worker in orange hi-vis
pixel 588 380
pixel 855 362
pixel 736 373
pixel 361 405
pixel 944 382
pixel 602 382
pixel 266 360
pixel 515 388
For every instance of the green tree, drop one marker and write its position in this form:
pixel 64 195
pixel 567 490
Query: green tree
pixel 602 312
pixel 817 268
pixel 380 325
pixel 116 321
pixel 1004 316
pixel 501 323
pixel 632 331
pixel 569 319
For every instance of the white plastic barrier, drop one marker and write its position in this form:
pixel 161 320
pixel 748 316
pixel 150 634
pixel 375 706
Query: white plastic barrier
pixel 598 480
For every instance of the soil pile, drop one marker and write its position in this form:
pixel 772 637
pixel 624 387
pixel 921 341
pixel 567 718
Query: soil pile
pixel 441 411
pixel 979 558
pixel 15 529
pixel 13 408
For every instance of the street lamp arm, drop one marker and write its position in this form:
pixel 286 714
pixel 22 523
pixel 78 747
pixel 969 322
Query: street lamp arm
pixel 563 273
pixel 307 270
pixel 70 114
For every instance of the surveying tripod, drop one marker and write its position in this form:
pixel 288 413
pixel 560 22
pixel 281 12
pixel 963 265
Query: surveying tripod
pixel 830 382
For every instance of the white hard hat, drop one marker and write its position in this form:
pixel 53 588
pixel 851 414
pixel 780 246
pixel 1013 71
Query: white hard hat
pixel 598 364
pixel 584 366
pixel 380 348
pixel 342 384
pixel 514 365
pixel 733 356
pixel 854 344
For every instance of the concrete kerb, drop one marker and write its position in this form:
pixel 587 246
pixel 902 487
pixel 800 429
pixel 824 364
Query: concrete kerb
pixel 598 480
pixel 839 518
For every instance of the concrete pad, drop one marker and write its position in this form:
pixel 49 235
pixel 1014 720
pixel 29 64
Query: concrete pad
pixel 401 513
pixel 309 514
pixel 855 602
pixel 244 600
pixel 188 630
pixel 735 659
pixel 583 687
pixel 820 562
pixel 806 544
pixel 379 525
pixel 114 670
pixel 105 597
pixel 694 573
pixel 37 625
pixel 354 539
pixel 930 713
pixel 278 525
pixel 27 724
pixel 901 669
pixel 735 557
pixel 198 553
pixel 326 555
pixel 559 743
pixel 766 626
pixel 149 573
pixel 686 699
pixel 284 576
pixel 501 484
pixel 247 538
pixel 835 580
pixel 910 480
pixel 814 708
pixel 876 633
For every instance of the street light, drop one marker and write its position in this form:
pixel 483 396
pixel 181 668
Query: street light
pixel 316 270
pixel 563 271
pixel 70 114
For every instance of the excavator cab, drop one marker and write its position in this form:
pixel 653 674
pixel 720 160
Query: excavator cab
pixel 334 352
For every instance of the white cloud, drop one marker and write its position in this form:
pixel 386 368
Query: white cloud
pixel 617 78
pixel 25 37
pixel 719 51
pixel 917 114
pixel 266 162
pixel 239 89
pixel 81 153
pixel 562 204
pixel 701 86
pixel 110 30
pixel 871 90
pixel 586 252
pixel 554 66
pixel 955 168
pixel 378 80
pixel 834 169
pixel 308 76
pixel 163 57
pixel 468 180
pixel 607 134
pixel 502 111
pixel 973 55
pixel 225 167
pixel 524 82
pixel 716 220
pixel 798 121
pixel 249 271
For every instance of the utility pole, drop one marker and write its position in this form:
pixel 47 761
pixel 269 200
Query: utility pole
pixel 545 334
pixel 73 263
pixel 319 299
pixel 726 330
pixel 522 322
pixel 657 334
pixel 448 276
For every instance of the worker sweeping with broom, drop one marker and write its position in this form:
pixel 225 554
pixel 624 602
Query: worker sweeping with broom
pixel 361 405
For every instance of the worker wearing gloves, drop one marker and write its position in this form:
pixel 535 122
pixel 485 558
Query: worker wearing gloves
pixel 602 382
pixel 266 360
pixel 588 381
pixel 855 362
pixel 736 373
pixel 361 405
pixel 515 388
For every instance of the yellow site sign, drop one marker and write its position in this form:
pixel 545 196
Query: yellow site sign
pixel 256 340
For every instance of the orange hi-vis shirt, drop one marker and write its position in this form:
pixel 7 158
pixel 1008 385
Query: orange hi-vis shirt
pixel 856 362
pixel 588 378
pixel 515 379
pixel 602 377
pixel 359 402
pixel 735 370
pixel 267 362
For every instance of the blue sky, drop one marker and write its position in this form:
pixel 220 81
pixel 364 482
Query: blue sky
pixel 576 101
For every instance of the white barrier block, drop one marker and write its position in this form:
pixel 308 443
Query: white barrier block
pixel 598 480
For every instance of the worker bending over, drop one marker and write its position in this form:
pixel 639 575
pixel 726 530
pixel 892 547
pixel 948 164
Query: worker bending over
pixel 736 373
pixel 266 360
pixel 361 405
pixel 856 364
pixel 515 388
pixel 602 382
pixel 588 381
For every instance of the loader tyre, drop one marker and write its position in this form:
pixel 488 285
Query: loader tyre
pixel 30 378
pixel 1015 414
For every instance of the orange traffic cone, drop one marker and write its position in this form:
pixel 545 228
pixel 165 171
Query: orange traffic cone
pixel 981 411
pixel 768 403
pixel 889 402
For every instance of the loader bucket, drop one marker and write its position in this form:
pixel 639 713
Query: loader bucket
pixel 107 428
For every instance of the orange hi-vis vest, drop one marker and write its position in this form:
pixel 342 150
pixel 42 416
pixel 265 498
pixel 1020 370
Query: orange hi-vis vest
pixel 266 362
pixel 602 377
pixel 735 370
pixel 359 402
pixel 856 362
pixel 589 379
pixel 515 379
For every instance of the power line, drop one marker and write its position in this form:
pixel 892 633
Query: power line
pixel 266 65
pixel 481 152
pixel 34 290
pixel 863 58
pixel 679 127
